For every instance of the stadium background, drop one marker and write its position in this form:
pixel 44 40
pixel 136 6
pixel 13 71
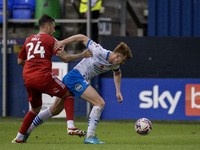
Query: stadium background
pixel 164 64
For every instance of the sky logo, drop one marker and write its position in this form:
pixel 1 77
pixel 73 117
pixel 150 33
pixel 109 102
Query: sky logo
pixel 154 99
pixel 192 99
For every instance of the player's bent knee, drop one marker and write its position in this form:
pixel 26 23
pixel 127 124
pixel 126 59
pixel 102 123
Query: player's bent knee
pixel 55 111
pixel 102 104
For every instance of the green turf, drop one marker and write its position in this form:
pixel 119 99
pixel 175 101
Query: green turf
pixel 118 135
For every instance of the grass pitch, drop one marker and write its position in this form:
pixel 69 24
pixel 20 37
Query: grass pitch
pixel 118 135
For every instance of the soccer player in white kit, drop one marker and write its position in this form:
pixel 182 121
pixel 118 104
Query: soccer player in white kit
pixel 77 80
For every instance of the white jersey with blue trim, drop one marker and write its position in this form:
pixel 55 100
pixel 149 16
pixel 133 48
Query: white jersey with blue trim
pixel 97 64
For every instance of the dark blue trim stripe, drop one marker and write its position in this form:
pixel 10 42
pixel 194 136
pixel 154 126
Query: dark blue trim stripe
pixel 89 121
pixel 116 69
pixel 37 121
pixel 88 43
pixel 107 55
pixel 34 123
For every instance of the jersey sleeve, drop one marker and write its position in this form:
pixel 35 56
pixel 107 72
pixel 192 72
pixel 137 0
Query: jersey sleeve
pixel 93 46
pixel 22 54
pixel 97 50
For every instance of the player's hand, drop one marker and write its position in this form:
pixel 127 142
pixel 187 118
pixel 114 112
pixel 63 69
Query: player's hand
pixel 87 53
pixel 58 44
pixel 120 97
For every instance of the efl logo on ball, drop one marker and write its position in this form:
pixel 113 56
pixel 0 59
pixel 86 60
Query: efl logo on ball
pixel 143 126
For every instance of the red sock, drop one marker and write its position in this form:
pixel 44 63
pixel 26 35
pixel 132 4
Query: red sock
pixel 28 119
pixel 69 107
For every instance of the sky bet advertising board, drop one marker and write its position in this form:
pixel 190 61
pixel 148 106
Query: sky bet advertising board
pixel 157 99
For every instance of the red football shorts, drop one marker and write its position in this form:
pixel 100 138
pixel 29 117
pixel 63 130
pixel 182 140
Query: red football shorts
pixel 48 84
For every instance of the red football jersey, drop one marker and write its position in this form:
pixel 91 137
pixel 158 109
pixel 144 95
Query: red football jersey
pixel 37 51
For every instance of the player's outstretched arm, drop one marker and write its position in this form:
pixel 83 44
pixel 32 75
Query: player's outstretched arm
pixel 73 57
pixel 75 38
pixel 117 80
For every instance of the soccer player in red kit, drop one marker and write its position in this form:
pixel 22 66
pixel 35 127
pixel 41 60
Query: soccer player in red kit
pixel 35 56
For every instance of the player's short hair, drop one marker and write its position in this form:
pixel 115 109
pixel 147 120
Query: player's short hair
pixel 123 49
pixel 45 19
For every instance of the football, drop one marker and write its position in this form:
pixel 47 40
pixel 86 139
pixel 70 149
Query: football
pixel 143 126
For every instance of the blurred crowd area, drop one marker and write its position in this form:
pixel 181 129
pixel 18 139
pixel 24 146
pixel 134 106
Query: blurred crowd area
pixel 67 9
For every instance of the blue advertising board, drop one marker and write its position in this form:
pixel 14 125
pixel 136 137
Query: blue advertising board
pixel 157 99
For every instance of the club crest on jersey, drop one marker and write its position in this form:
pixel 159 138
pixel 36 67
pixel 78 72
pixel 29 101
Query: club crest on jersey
pixel 78 87
pixel 55 90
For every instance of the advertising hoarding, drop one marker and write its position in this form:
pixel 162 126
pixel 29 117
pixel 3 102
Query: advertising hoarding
pixel 157 99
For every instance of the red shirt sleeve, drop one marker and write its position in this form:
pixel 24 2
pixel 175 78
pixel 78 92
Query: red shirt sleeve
pixel 22 54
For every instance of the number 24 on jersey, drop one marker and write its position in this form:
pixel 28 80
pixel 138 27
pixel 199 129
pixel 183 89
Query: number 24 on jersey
pixel 37 50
